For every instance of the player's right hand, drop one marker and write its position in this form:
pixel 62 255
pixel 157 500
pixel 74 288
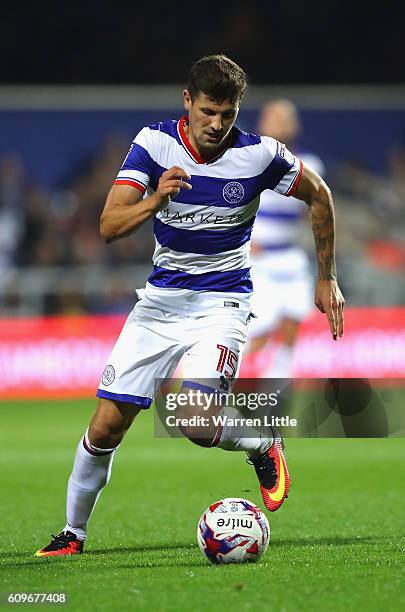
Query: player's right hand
pixel 170 183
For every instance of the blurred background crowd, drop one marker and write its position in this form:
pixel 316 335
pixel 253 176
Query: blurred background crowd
pixel 52 259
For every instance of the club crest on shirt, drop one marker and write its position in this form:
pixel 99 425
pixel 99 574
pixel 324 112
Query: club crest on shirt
pixel 108 375
pixel 233 192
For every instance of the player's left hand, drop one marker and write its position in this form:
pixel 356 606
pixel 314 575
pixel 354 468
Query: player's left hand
pixel 330 301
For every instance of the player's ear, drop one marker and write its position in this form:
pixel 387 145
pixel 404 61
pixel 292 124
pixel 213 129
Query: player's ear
pixel 187 99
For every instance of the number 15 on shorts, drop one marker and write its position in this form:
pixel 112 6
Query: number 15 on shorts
pixel 227 362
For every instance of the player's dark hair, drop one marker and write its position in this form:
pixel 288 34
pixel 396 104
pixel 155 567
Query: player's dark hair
pixel 218 77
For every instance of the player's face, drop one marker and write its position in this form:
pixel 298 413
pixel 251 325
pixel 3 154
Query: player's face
pixel 209 121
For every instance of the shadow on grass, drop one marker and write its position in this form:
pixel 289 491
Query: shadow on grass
pixel 161 563
pixel 142 549
pixel 30 561
pixel 327 541
pixel 63 561
pixel 106 551
pixel 167 560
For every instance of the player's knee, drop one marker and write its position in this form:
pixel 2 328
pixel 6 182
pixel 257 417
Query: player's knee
pixel 196 424
pixel 204 442
pixel 198 435
pixel 101 435
pixel 105 431
pixel 110 423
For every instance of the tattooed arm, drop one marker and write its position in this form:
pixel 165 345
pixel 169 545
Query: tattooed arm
pixel 328 297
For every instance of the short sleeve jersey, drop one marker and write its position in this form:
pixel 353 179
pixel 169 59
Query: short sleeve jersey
pixel 203 235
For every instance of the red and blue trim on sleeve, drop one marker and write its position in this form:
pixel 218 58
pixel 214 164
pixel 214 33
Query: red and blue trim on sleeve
pixel 122 181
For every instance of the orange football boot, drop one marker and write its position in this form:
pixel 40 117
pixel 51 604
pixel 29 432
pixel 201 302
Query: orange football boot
pixel 272 472
pixel 66 543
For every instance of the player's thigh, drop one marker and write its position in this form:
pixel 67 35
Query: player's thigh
pixel 147 350
pixel 215 355
pixel 209 366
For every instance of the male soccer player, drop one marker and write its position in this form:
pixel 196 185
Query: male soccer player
pixel 280 267
pixel 202 178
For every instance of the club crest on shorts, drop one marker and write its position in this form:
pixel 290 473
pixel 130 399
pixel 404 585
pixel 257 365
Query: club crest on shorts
pixel 108 375
pixel 233 192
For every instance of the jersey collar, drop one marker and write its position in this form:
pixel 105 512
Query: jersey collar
pixel 189 147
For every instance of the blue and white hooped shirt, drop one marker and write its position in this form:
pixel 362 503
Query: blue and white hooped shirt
pixel 203 235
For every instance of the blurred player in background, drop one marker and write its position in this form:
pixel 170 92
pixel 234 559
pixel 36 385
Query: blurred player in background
pixel 200 178
pixel 282 279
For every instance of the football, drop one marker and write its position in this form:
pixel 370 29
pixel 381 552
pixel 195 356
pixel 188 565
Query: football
pixel 233 530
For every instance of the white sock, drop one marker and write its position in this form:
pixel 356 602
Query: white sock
pixel 241 437
pixel 91 472
pixel 280 366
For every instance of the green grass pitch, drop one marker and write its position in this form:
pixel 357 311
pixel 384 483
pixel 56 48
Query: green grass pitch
pixel 338 542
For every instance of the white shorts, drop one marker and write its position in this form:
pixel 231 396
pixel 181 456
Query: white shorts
pixel 209 329
pixel 283 288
